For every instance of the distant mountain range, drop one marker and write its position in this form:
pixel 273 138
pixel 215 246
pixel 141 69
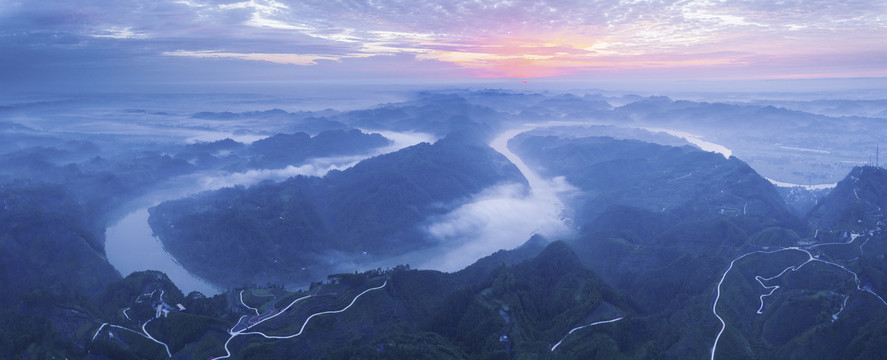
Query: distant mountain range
pixel 678 253
pixel 659 223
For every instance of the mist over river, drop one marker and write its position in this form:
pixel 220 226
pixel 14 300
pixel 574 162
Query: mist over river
pixel 130 244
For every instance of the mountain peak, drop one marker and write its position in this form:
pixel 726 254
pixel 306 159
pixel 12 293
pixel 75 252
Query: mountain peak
pixel 857 201
pixel 559 257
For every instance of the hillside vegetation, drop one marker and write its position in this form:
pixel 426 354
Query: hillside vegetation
pixel 299 229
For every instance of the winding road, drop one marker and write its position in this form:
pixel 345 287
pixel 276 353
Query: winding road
pixel 772 289
pixel 234 333
pixel 247 306
pixel 145 334
pixel 582 327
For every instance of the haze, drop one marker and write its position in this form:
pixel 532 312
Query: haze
pixel 552 166
pixel 110 45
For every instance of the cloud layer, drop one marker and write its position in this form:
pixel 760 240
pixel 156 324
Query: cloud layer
pixel 445 38
pixel 502 217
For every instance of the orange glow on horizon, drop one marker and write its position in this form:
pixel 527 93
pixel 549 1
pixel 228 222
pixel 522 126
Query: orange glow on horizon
pixel 530 62
pixel 650 47
pixel 566 53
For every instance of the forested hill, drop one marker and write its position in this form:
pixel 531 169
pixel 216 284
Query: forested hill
pixel 285 149
pixel 280 150
pixel 682 182
pixel 254 235
pixel 678 253
pixel 856 203
pixel 548 306
pixel 45 238
pixel 659 222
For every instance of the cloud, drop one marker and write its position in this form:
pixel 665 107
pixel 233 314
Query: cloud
pixel 400 140
pixel 554 38
pixel 513 38
pixel 501 217
pixel 119 32
pixel 313 167
pixel 292 59
pixel 318 167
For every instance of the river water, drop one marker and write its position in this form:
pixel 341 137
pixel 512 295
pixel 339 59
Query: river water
pixel 131 246
pixel 506 215
pixel 501 217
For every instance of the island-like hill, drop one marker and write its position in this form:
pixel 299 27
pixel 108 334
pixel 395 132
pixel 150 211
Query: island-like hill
pixel 300 229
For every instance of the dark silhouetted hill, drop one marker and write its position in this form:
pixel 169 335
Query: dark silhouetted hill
pixel 262 233
pixel 856 203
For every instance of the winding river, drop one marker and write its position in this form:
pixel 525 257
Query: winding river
pixel 503 216
pixel 131 246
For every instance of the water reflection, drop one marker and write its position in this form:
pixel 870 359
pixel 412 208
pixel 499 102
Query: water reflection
pixel 131 246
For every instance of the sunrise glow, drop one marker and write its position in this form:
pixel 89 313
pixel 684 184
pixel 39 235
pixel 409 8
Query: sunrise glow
pixel 430 39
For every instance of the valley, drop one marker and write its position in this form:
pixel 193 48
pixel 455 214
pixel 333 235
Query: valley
pixel 811 258
pixel 592 232
pixel 443 180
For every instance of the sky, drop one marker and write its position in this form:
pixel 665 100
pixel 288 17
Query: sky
pixel 89 43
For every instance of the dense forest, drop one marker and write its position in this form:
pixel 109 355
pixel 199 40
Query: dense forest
pixel 58 193
pixel 659 224
pixel 677 252
pixel 239 235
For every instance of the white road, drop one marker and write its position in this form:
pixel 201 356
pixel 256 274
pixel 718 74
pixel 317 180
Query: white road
pixel 247 306
pixel 147 335
pixel 236 333
pixel 773 288
pixel 582 327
